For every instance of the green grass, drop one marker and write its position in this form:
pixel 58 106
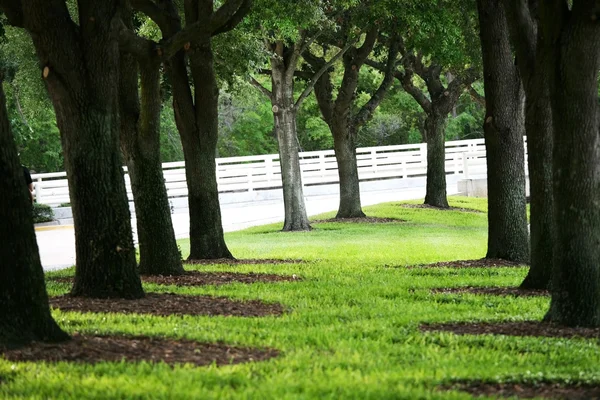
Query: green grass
pixel 351 330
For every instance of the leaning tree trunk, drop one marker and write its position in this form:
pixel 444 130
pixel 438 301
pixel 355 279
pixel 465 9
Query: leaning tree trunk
pixel 345 155
pixel 576 114
pixel 81 74
pixel 538 125
pixel 435 194
pixel 503 131
pixel 284 113
pixel 140 140
pixel 207 240
pixel 24 312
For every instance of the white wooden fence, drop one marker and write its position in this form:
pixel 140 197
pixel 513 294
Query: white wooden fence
pixel 252 173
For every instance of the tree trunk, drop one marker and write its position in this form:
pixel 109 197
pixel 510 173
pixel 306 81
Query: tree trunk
pixel 436 160
pixel 503 130
pixel 24 312
pixel 284 113
pixel 345 155
pixel 538 125
pixel 81 73
pixel 576 115
pixel 207 240
pixel 140 140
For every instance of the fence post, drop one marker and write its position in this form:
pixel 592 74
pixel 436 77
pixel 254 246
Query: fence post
pixel 465 166
pixel 269 168
pixel 38 191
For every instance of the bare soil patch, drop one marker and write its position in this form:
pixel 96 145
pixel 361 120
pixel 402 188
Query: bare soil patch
pixel 201 278
pixel 169 304
pixel 95 349
pixel 362 220
pixel 230 261
pixel 481 263
pixel 471 210
pixel 526 328
pixel 495 291
pixel 547 390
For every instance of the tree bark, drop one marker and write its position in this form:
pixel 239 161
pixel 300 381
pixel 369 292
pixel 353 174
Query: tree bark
pixel 81 74
pixel 284 113
pixel 140 140
pixel 574 39
pixel 436 159
pixel 345 155
pixel 503 131
pixel 24 311
pixel 207 239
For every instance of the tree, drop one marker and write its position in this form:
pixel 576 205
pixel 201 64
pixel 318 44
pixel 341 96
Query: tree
pixel 80 63
pixel 503 129
pixel 342 116
pixel 290 29
pixel 426 53
pixel 573 44
pixel 140 141
pixel 532 62
pixel 24 311
pixel 196 111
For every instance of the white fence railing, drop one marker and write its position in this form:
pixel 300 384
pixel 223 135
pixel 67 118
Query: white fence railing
pixel 247 174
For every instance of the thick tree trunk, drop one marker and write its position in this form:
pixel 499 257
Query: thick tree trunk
pixel 503 130
pixel 207 240
pixel 576 167
pixel 24 311
pixel 140 140
pixel 345 155
pixel 284 113
pixel 81 73
pixel 538 125
pixel 436 160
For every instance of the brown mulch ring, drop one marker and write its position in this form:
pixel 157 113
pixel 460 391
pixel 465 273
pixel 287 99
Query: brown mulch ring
pixel 481 263
pixel 471 210
pixel 230 261
pixel 526 328
pixel 95 349
pixel 546 390
pixel 494 291
pixel 368 220
pixel 166 304
pixel 200 278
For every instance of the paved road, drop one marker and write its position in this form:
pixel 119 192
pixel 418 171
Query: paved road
pixel 57 243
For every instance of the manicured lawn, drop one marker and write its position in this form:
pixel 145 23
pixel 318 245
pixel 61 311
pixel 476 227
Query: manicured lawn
pixel 351 330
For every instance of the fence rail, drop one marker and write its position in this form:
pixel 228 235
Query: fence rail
pixel 253 173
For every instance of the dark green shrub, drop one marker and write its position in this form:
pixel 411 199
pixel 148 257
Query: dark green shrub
pixel 42 213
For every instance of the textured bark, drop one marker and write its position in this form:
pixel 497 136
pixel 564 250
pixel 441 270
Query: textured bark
pixel 345 155
pixel 503 129
pixel 574 40
pixel 140 140
pixel 435 194
pixel 532 61
pixel 24 311
pixel 81 74
pixel 284 112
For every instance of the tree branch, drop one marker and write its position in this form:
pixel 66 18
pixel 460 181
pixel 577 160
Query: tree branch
pixel 153 11
pixel 260 87
pixel 235 19
pixel 410 88
pixel 476 96
pixel 523 35
pixel 142 49
pixel 319 73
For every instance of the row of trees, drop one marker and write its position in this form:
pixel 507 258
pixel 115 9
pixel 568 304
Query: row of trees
pixel 104 79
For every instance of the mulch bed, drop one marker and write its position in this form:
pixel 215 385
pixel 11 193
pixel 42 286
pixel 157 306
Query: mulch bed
pixel 481 263
pixel 230 261
pixel 367 220
pixel 200 278
pixel 547 390
pixel 495 291
pixel 169 304
pixel 94 349
pixel 526 328
pixel 471 210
